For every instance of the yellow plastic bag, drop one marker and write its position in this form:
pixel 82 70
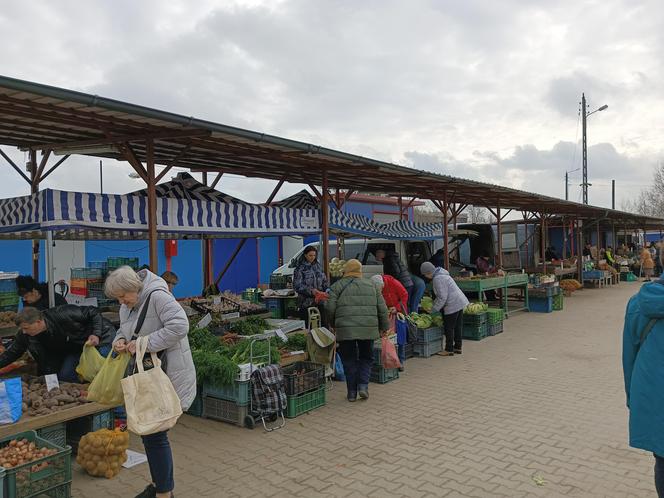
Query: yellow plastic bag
pixel 106 387
pixel 90 363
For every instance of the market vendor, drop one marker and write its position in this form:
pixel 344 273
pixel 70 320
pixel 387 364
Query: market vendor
pixel 608 254
pixel 485 267
pixel 36 294
pixel 55 338
pixel 551 254
pixel 393 266
pixel 310 283
pixel 588 250
pixel 171 280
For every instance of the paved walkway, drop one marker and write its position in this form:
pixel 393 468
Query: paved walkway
pixel 543 402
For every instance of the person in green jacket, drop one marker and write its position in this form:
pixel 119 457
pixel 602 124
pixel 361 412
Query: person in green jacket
pixel 358 313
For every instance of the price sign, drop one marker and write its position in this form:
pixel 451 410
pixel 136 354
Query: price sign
pixel 52 382
pixel 205 321
pixel 281 335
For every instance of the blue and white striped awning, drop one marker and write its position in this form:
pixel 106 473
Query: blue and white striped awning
pixel 77 214
pixel 359 225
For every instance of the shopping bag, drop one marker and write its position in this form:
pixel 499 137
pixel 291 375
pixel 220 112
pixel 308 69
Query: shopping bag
pixel 388 355
pixel 151 402
pixel 401 329
pixel 412 330
pixel 102 453
pixel 105 387
pixel 339 369
pixel 11 400
pixel 90 363
pixel 393 324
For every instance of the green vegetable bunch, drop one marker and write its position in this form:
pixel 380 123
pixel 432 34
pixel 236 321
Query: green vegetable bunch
pixel 249 326
pixel 296 342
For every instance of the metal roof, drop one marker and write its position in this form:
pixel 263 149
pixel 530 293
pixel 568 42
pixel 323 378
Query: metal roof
pixel 40 117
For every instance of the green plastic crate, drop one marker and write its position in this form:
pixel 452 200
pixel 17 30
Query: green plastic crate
pixel 237 392
pixel 56 434
pixel 24 481
pixel 224 410
pixel 303 403
pixel 558 301
pixel 475 319
pixel 475 332
pixel 196 408
pixel 382 375
pixel 495 315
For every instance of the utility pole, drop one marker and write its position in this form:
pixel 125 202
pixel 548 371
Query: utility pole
pixel 584 146
pixel 101 178
pixel 613 194
pixel 566 186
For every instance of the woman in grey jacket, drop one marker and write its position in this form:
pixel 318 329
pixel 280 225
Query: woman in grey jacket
pixel 166 326
pixel 451 302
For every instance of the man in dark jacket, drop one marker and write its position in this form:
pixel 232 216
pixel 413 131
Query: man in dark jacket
pixel 35 294
pixel 55 338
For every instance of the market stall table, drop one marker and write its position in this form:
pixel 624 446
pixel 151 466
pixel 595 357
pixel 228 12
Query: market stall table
pixel 27 423
pixel 479 285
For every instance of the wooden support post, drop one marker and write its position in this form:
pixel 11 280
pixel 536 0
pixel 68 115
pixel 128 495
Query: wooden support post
pixel 34 188
pixel 152 205
pixel 325 208
pixel 216 180
pixel 499 223
pixel 400 208
pixel 446 248
pixel 579 249
pixel 599 246
pixel 275 191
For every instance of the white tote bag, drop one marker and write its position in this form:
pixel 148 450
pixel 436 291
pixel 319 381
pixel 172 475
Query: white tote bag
pixel 151 402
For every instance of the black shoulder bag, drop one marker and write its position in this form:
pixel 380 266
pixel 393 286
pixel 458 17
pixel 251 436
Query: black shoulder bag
pixel 147 359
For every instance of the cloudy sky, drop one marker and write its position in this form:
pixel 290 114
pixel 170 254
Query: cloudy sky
pixel 478 89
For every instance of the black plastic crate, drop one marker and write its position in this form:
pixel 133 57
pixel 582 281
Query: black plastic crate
pixel 302 377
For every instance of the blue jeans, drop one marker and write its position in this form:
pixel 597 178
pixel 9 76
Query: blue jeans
pixel 415 293
pixel 659 475
pixel 67 371
pixel 357 358
pixel 160 460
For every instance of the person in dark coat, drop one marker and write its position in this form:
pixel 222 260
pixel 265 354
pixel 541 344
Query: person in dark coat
pixel 394 267
pixel 55 338
pixel 358 314
pixel 35 294
pixel 310 283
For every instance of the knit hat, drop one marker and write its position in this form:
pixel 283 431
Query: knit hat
pixel 427 267
pixel 378 281
pixel 353 268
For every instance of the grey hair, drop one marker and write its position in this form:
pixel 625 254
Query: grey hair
pixel 122 280
pixel 28 315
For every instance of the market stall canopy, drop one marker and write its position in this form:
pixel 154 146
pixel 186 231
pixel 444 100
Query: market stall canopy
pixel 84 215
pixel 40 117
pixel 350 224
pixel 185 186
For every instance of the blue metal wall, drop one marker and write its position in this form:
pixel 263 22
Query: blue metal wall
pixel 243 273
pixel 17 256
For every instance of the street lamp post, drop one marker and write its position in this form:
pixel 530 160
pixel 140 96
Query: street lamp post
pixel 567 182
pixel 584 117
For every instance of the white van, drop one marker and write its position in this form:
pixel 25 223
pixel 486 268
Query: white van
pixel 412 252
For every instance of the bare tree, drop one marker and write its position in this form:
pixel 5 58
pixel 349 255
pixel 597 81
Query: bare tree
pixel 478 214
pixel 650 201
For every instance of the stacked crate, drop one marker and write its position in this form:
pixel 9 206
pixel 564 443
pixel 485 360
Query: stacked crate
pixel 8 292
pixel 379 373
pixel 305 387
pixel 84 279
pixel 475 326
pixel 495 321
pixel 428 342
pixel 229 403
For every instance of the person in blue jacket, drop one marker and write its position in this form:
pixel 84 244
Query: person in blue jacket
pixel 643 369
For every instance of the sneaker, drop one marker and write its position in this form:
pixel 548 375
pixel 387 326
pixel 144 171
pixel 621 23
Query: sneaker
pixel 445 353
pixel 401 369
pixel 364 392
pixel 351 396
pixel 149 492
pixel 457 351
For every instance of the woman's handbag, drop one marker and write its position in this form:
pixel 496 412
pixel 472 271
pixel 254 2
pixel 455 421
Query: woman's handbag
pixel 151 402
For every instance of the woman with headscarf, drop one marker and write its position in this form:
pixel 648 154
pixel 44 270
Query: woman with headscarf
pixel 357 312
pixel 310 283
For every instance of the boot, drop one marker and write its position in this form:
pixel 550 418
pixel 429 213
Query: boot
pixel 149 492
pixel 363 391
